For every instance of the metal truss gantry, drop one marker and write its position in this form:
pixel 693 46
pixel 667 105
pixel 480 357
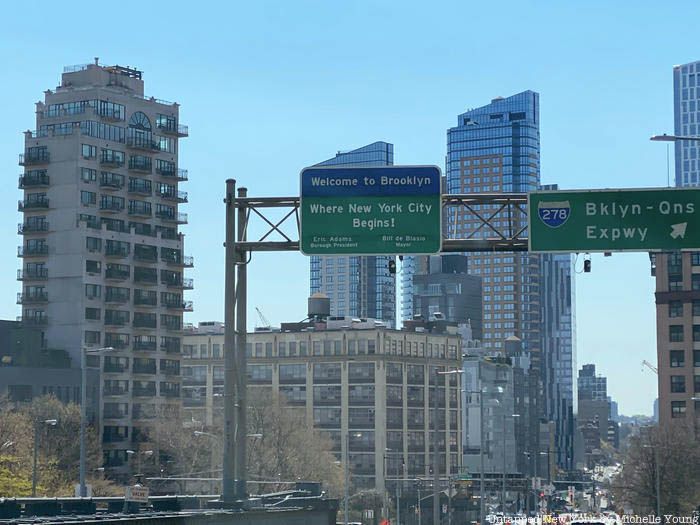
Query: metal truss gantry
pixel 497 223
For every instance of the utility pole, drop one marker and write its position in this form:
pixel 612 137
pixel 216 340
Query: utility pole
pixel 241 429
pixel 481 455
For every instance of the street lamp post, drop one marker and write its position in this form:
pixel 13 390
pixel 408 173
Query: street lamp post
pixel 50 422
pixel 83 412
pixel 671 138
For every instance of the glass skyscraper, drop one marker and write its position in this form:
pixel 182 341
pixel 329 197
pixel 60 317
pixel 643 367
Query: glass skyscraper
pixel 496 149
pixel 358 286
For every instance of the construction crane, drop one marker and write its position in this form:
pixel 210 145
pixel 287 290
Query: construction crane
pixel 265 323
pixel 650 367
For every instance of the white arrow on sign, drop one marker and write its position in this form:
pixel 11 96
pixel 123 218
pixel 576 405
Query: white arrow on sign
pixel 678 230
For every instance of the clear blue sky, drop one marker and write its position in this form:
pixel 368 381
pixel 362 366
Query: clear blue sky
pixel 270 87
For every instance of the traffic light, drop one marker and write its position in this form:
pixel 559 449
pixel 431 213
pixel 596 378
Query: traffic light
pixel 587 265
pixel 392 266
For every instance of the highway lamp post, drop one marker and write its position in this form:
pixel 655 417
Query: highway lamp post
pixel 37 426
pixel 83 412
pixel 419 484
pixel 398 475
pixel 671 138
pixel 138 454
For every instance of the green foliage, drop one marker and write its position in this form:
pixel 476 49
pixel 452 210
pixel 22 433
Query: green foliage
pixel 58 451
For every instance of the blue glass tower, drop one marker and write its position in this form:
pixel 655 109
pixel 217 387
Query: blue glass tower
pixel 358 286
pixel 496 149
pixel 686 121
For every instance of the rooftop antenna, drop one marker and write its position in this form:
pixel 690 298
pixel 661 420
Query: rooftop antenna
pixel 97 61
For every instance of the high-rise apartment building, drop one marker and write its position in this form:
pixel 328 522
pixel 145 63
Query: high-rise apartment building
pixel 496 149
pixel 557 303
pixel 102 257
pixel 678 274
pixel 366 386
pixel 358 286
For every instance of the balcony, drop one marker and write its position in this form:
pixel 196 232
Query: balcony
pixel 144 322
pixel 117 274
pixel 142 300
pixel 117 251
pixel 32 251
pixel 114 368
pixel 140 164
pixel 144 369
pixel 32 298
pixel 111 182
pixel 145 346
pixel 140 391
pixel 141 211
pixel 173 195
pixel 32 227
pixel 141 188
pixel 170 390
pixel 39 274
pixel 145 255
pixel 145 277
pixel 34 320
pixel 33 181
pixel 142 143
pixel 170 128
pixel 34 158
pixel 117 341
pixel 111 161
pixel 115 391
pixel 118 298
pixel 111 206
pixel 170 345
pixel 179 218
pixel 116 321
pixel 90 222
pixel 33 204
pixel 170 370
pixel 116 414
pixel 184 306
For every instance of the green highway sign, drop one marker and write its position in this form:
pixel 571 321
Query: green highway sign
pixel 382 210
pixel 614 220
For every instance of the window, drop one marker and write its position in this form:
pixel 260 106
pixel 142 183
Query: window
pixel 695 258
pixel 92 314
pixel 92 338
pixel 675 309
pixel 695 281
pixel 696 308
pixel 696 358
pixel 88 175
pixel 93 291
pixel 89 151
pixel 677 384
pixel 696 332
pixel 93 244
pixel 696 387
pixel 677 358
pixel 677 409
pixel 88 198
pixel 675 333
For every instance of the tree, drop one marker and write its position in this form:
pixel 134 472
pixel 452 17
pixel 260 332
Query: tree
pixel 281 446
pixel 678 467
pixel 58 452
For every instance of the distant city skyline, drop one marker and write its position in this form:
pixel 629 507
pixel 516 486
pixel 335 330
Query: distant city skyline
pixel 262 108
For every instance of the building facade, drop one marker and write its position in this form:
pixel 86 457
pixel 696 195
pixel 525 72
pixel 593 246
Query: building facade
pixel 496 149
pixel 358 286
pixel 443 286
pixel 678 275
pixel 102 256
pixel 557 303
pixel 365 385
